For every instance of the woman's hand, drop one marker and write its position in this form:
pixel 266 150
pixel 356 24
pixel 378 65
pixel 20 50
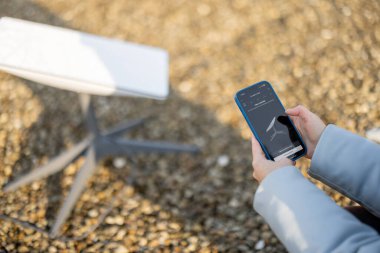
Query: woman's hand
pixel 261 165
pixel 309 125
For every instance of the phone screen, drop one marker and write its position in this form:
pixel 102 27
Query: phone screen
pixel 268 118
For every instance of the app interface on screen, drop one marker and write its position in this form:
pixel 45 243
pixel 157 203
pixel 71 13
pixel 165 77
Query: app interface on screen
pixel 270 122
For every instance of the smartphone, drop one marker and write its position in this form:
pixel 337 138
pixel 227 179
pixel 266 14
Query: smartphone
pixel 272 127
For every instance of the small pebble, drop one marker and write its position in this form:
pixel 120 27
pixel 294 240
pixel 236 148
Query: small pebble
pixel 223 160
pixel 374 134
pixel 260 245
pixel 93 213
pixel 119 162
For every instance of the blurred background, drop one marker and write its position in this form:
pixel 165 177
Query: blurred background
pixel 322 54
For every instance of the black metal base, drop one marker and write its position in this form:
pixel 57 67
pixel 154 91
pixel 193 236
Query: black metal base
pixel 96 146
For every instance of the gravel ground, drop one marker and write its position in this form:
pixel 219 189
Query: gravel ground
pixel 323 54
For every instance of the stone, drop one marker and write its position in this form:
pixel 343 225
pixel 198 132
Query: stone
pixel 119 162
pixel 223 160
pixel 374 134
pixel 121 249
pixel 93 213
pixel 260 245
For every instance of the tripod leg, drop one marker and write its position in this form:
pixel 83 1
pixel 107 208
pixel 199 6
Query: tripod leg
pixel 55 165
pixel 80 181
pixel 122 147
pixel 123 127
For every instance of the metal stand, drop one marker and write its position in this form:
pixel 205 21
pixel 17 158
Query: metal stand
pixel 96 146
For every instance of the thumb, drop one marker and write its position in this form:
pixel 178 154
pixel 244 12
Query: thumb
pixel 295 111
pixel 298 111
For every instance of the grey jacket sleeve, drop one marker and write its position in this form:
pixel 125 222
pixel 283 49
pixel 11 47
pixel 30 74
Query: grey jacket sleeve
pixel 303 217
pixel 350 164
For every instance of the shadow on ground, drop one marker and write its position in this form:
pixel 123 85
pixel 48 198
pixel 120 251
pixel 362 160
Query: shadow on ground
pixel 209 201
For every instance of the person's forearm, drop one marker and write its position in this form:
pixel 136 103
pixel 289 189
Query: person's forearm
pixel 306 220
pixel 350 164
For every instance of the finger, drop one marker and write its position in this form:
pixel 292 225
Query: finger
pixel 298 111
pixel 295 111
pixel 293 118
pixel 257 152
pixel 297 121
pixel 286 162
pixel 254 174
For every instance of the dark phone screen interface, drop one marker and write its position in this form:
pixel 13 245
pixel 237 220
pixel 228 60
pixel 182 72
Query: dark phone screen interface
pixel 268 118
